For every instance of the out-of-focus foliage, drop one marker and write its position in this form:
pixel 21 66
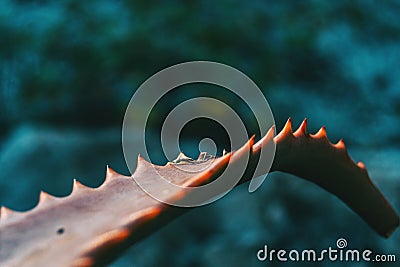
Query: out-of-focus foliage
pixel 78 62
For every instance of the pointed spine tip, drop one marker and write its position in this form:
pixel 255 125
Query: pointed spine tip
pixel 141 163
pixel 340 145
pixel 77 185
pixel 220 160
pixel 5 212
pixel 302 130
pixel 288 126
pixel 247 146
pixel 268 137
pixel 43 196
pixel 110 173
pixel 251 140
pixel 361 165
pixel 271 133
pixel 321 133
pixel 140 158
pixel 271 130
pixel 286 131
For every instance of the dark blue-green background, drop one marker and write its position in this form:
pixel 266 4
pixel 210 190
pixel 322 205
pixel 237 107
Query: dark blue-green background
pixel 69 68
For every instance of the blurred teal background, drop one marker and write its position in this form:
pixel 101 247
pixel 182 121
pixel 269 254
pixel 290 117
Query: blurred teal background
pixel 69 68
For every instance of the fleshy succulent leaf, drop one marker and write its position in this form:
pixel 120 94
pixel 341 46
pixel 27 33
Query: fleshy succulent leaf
pixel 92 226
